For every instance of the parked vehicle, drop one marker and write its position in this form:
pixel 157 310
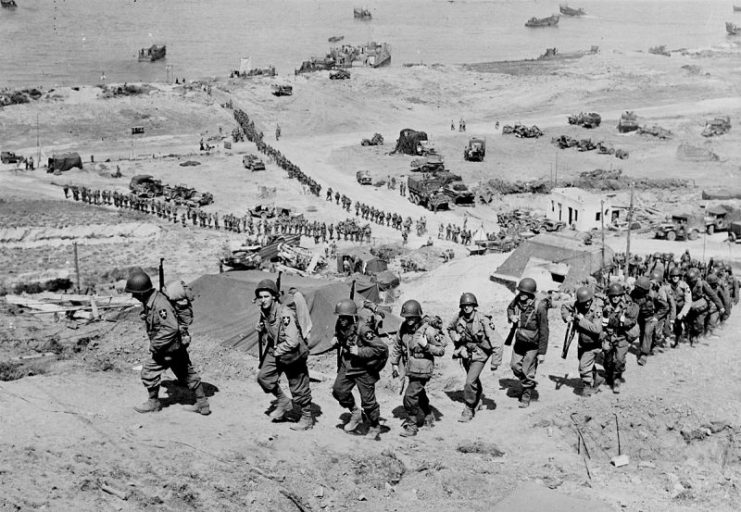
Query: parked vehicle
pixel 364 178
pixel 253 163
pixel 716 219
pixel 678 228
pixel 475 151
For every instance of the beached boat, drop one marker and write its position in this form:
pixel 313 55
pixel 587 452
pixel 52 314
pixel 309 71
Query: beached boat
pixel 372 55
pixel 8 3
pixel 153 53
pixel 550 21
pixel 736 8
pixel 568 11
pixel 732 29
pixel 362 14
pixel 336 39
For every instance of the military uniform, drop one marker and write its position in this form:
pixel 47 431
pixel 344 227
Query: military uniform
pixel 651 306
pixel 166 347
pixel 531 338
pixel 418 349
pixel 620 326
pixel 588 328
pixel 475 340
pixel 361 370
pixel 702 297
pixel 682 301
pixel 285 352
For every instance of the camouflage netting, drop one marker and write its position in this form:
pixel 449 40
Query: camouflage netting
pixel 409 141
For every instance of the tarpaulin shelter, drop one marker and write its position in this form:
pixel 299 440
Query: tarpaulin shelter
pixel 565 259
pixel 366 287
pixel 64 162
pixel 408 141
pixel 387 280
pixel 224 310
pixel 361 261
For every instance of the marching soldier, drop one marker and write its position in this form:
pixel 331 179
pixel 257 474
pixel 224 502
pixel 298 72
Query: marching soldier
pixel 650 307
pixel 417 344
pixel 702 296
pixel 530 318
pixel 284 351
pixel 619 319
pixel 474 340
pixel 167 346
pixel 586 314
pixel 682 300
pixel 362 357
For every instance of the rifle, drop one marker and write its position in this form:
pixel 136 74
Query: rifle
pixel 510 336
pixel 568 338
pixel 162 274
pixel 262 352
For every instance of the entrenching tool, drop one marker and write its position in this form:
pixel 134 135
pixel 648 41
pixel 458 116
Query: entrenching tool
pixel 620 460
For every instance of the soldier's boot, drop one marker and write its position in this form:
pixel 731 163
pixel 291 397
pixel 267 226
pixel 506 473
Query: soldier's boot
pixel 466 415
pixel 642 360
pixel 355 420
pixel 374 431
pixel 306 421
pixel 152 404
pixel 525 398
pixel 201 406
pixel 282 406
pixel 408 430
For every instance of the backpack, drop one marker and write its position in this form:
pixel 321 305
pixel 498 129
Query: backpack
pixel 181 299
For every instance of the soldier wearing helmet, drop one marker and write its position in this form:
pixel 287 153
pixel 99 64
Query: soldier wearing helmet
pixel 702 297
pixel 664 294
pixel 362 356
pixel 285 352
pixel 165 345
pixel 619 317
pixel 682 300
pixel 475 340
pixel 657 266
pixel 530 319
pixel 715 317
pixel 417 344
pixel 586 315
pixel 651 307
pixel 733 284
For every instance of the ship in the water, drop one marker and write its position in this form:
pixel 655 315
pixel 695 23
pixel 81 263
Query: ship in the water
pixel 362 14
pixel 153 53
pixel 732 29
pixel 372 55
pixel 736 8
pixel 550 21
pixel 336 39
pixel 8 3
pixel 569 11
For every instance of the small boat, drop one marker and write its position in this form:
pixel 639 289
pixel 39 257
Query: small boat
pixel 8 3
pixel 736 8
pixel 550 21
pixel 568 11
pixel 336 39
pixel 153 53
pixel 362 13
pixel 732 29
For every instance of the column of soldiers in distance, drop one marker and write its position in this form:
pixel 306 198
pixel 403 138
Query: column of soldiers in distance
pixel 187 215
pixel 670 304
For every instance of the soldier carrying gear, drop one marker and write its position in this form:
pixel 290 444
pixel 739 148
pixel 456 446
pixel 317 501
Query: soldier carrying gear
pixel 530 319
pixel 702 296
pixel 586 313
pixel 417 344
pixel 650 307
pixel 362 356
pixel 285 351
pixel 166 346
pixel 619 317
pixel 682 301
pixel 664 294
pixel 474 339
pixel 715 316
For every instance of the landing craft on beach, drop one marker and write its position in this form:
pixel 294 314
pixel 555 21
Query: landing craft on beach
pixel 153 53
pixel 569 11
pixel 732 29
pixel 550 21
pixel 10 4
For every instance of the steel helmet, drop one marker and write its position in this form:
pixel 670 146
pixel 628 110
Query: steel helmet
pixel 138 282
pixel 468 299
pixel 693 274
pixel 712 279
pixel 411 308
pixel 657 255
pixel 527 285
pixel 346 307
pixel 615 290
pixel 644 283
pixel 675 271
pixel 266 285
pixel 656 276
pixel 583 295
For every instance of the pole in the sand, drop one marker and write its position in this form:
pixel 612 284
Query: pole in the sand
pixel 602 222
pixel 630 221
pixel 77 266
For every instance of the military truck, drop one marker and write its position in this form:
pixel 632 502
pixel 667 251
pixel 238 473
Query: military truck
pixel 734 232
pixel 376 140
pixel 475 151
pixel 429 163
pixel 282 90
pixel 145 186
pixel 716 219
pixel 428 191
pixel 459 193
pixel 187 196
pixel 678 228
pixel 364 178
pixel 253 163
pixel 628 122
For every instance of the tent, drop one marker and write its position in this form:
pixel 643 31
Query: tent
pixel 224 310
pixel 365 287
pixel 387 280
pixel 563 258
pixel 408 141
pixel 361 261
pixel 64 162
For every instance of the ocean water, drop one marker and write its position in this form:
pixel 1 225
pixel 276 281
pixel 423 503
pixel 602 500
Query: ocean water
pixel 73 42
